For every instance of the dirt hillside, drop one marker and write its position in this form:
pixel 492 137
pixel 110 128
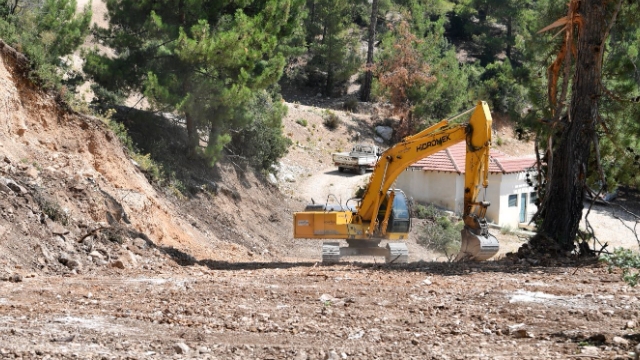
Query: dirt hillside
pixel 73 201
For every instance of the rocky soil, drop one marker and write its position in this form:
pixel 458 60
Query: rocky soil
pixel 253 310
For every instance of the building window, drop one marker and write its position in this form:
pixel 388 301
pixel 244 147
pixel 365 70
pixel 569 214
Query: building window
pixel 513 200
pixel 533 197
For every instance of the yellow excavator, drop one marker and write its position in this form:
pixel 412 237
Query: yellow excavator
pixel 383 212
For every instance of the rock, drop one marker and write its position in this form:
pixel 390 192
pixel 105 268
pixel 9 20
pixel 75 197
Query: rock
pixel 14 186
pixel 272 179
pixel 141 243
pixel 622 342
pixel 426 281
pixel 288 178
pixel 385 132
pixel 589 350
pixel 3 230
pixel 56 228
pixel 326 297
pixel 32 173
pixel 203 350
pixel 68 261
pixel 631 324
pixel 4 188
pixel 302 355
pixel 637 351
pixel 132 259
pixel 522 334
pixel 181 348
pixel 96 255
pixel 333 355
pixel 608 312
pixel 117 264
pixel 378 139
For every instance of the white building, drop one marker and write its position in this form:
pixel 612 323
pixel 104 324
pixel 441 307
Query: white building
pixel 439 179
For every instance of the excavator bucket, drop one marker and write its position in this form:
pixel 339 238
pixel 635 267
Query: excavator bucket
pixel 477 247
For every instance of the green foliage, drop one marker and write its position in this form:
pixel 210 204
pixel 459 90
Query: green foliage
pixel 302 122
pixel 626 260
pixel 439 233
pixel 262 142
pixel 331 120
pixel 333 42
pixel 46 33
pixel 429 212
pixel 206 60
pixel 500 87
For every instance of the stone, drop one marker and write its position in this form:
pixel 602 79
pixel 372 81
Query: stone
pixel 4 188
pixel 589 350
pixel 426 281
pixel 333 355
pixel 117 264
pixel 620 341
pixel 203 350
pixel 272 179
pixel 385 132
pixel 32 173
pixel 68 261
pixel 15 278
pixel 56 228
pixel 141 243
pixel 631 324
pixel 181 348
pixel 522 334
pixel 15 187
pixel 96 255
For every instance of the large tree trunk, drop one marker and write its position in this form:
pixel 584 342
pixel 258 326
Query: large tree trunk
pixel 365 92
pixel 563 201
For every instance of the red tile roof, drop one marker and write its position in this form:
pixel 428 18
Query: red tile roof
pixel 452 159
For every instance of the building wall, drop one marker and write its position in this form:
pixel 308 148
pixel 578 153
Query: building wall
pixel 446 190
pixel 515 184
pixel 443 189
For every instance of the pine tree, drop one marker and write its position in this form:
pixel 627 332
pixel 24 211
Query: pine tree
pixel 202 58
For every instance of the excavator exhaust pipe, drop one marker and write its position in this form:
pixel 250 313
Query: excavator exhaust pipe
pixel 477 247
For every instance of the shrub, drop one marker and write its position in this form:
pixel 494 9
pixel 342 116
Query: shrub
pixel 350 105
pixel 302 122
pixel 331 120
pixel 442 235
pixel 626 260
pixel 429 212
pixel 51 208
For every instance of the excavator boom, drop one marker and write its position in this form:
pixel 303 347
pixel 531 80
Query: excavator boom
pixel 382 212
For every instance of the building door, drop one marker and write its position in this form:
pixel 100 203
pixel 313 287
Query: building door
pixel 523 207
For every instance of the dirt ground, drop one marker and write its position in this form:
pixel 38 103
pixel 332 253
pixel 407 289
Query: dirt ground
pixel 303 311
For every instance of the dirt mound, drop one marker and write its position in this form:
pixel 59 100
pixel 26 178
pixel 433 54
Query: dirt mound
pixel 72 201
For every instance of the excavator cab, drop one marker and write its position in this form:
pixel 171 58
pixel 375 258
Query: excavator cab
pixel 399 222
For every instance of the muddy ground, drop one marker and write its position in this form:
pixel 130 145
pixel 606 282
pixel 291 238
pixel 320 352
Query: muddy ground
pixel 307 311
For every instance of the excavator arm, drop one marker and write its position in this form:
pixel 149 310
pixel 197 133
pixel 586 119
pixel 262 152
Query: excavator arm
pixel 368 223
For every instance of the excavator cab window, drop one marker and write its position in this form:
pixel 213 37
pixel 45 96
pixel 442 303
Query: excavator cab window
pixel 400 219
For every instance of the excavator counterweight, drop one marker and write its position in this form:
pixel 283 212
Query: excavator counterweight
pixel 383 212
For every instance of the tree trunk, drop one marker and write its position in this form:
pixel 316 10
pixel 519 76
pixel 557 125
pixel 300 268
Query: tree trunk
pixel 563 202
pixel 192 135
pixel 365 91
